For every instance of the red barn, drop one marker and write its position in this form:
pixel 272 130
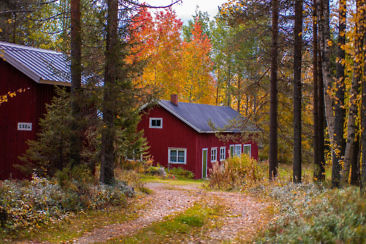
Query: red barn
pixel 30 74
pixel 182 135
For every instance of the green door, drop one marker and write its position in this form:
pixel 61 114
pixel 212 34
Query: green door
pixel 204 163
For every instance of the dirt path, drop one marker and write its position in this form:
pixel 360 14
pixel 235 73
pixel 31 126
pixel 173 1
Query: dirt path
pixel 244 215
pixel 163 202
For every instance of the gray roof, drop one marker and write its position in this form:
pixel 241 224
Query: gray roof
pixel 42 66
pixel 205 118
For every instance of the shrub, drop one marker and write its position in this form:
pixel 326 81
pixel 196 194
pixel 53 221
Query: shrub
pixel 133 165
pixel 181 173
pixel 235 173
pixel 156 170
pixel 30 204
pixel 312 214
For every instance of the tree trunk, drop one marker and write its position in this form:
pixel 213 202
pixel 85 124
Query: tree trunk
pixel 218 87
pixel 315 96
pixel 363 135
pixel 297 91
pixel 228 85
pixel 273 140
pixel 109 97
pixel 355 163
pixel 318 125
pixel 239 94
pixel 362 11
pixel 75 140
pixel 324 31
pixel 322 122
pixel 339 111
pixel 353 101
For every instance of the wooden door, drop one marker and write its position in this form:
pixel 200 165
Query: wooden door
pixel 204 162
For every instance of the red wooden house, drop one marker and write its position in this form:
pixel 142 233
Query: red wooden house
pixel 31 74
pixel 184 135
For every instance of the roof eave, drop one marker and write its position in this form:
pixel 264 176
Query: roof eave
pixel 26 71
pixel 22 68
pixel 236 132
pixel 56 83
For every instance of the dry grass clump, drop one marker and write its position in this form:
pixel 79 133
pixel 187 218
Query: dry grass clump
pixel 235 173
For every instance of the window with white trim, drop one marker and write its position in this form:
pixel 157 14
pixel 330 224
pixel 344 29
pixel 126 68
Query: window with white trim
pixel 177 155
pixel 156 123
pixel 237 150
pixel 247 149
pixel 222 153
pixel 214 154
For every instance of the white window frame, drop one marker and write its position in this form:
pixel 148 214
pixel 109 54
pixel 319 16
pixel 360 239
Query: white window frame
pixel 153 126
pixel 222 153
pixel 135 157
pixel 213 154
pixel 236 151
pixel 177 149
pixel 250 149
pixel 232 150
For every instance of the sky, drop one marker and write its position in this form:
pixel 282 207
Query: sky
pixel 186 9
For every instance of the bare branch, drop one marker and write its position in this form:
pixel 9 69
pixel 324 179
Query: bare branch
pixel 143 5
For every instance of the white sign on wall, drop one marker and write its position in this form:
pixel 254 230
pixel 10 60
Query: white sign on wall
pixel 24 126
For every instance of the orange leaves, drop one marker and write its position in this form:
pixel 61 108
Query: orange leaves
pixel 199 83
pixel 172 65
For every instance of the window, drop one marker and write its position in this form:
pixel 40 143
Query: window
pixel 247 149
pixel 134 155
pixel 232 151
pixel 156 123
pixel 214 154
pixel 222 153
pixel 177 155
pixel 237 150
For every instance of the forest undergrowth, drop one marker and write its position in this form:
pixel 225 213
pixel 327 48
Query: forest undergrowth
pixel 307 212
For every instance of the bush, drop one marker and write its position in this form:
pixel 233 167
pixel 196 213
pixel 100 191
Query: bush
pixel 156 170
pixel 235 173
pixel 181 173
pixel 138 166
pixel 30 204
pixel 312 214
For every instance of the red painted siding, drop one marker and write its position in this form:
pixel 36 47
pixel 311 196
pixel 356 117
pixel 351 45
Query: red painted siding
pixel 160 140
pixel 24 107
pixel 177 134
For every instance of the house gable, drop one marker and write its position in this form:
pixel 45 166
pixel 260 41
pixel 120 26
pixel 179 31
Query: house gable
pixel 25 108
pixel 176 134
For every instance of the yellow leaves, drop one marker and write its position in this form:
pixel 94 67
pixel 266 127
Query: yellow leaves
pixel 5 98
pixel 12 94
pixel 330 43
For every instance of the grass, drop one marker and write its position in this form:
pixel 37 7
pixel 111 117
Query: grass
pixel 150 178
pixel 75 226
pixel 186 226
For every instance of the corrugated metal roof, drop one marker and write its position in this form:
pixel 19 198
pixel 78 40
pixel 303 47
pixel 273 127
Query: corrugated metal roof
pixel 207 118
pixel 42 66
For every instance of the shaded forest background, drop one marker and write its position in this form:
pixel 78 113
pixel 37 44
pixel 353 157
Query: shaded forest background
pixel 295 65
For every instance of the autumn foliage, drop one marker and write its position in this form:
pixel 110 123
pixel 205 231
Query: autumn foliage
pixel 172 65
